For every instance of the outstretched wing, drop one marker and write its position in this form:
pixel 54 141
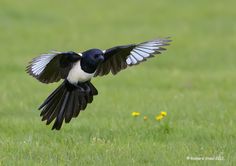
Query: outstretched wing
pixel 118 58
pixel 49 68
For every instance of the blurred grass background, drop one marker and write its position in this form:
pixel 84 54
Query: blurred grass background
pixel 193 81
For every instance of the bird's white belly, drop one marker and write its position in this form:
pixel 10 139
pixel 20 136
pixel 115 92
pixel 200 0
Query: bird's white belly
pixel 76 74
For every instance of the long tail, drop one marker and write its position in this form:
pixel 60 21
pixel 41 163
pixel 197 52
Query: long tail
pixel 66 102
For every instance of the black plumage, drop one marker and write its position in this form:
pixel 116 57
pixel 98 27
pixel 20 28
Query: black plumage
pixel 66 102
pixel 77 70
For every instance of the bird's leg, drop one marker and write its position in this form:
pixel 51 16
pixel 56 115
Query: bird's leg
pixel 89 95
pixel 87 88
pixel 81 87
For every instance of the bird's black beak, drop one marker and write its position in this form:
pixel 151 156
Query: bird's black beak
pixel 101 58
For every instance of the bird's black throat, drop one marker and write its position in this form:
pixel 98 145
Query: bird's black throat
pixel 87 66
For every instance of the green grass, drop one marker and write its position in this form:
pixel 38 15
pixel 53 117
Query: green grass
pixel 194 82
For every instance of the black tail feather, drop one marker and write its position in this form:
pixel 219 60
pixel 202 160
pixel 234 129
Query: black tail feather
pixel 70 106
pixel 51 96
pixel 77 105
pixel 60 116
pixel 52 111
pixel 51 107
pixel 83 102
pixel 66 102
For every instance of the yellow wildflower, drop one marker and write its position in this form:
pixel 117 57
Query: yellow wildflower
pixel 159 117
pixel 145 118
pixel 135 114
pixel 163 113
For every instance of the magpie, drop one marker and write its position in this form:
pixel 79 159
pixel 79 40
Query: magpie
pixel 77 70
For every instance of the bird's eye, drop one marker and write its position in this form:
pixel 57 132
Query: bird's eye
pixel 96 56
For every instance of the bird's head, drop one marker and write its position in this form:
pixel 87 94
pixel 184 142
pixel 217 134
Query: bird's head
pixel 92 58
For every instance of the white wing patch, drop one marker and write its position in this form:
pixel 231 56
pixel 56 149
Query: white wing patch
pixel 137 55
pixel 145 50
pixel 128 61
pixel 38 64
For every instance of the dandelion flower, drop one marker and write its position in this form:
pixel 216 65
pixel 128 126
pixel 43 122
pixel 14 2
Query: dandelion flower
pixel 135 114
pixel 163 113
pixel 145 118
pixel 159 117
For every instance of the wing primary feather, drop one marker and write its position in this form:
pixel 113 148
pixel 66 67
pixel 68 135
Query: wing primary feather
pixel 139 55
pixel 149 48
pixel 145 50
pixel 128 61
pixel 134 61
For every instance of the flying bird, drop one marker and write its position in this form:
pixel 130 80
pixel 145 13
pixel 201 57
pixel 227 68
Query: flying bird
pixel 77 71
